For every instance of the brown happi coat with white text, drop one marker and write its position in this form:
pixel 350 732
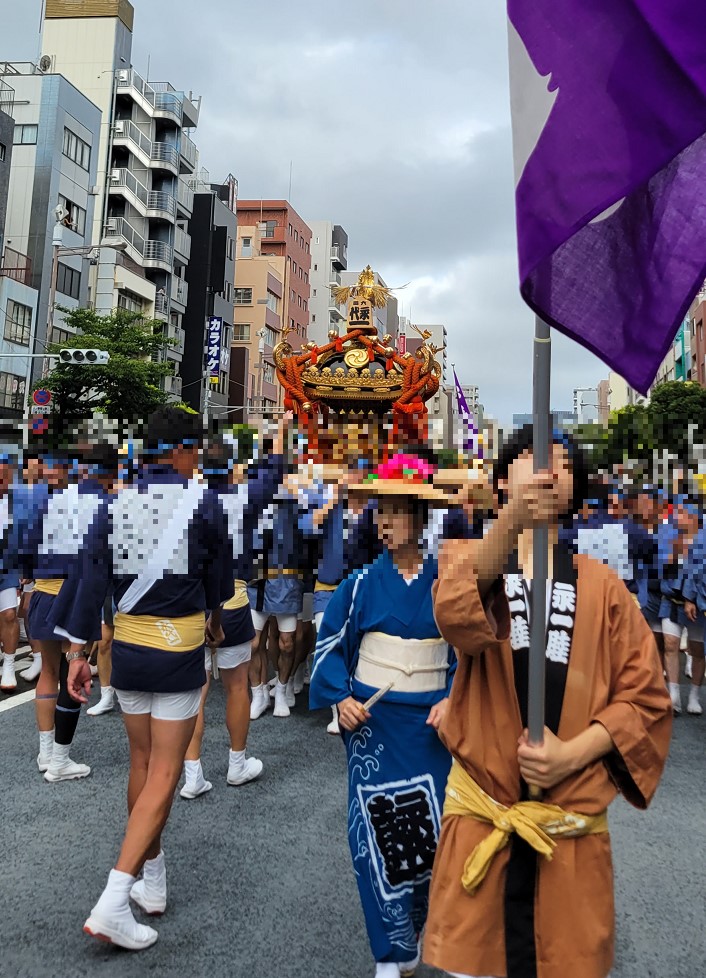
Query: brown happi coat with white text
pixel 614 678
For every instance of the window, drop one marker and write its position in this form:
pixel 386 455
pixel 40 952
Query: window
pixel 294 267
pixel 243 297
pixel 241 333
pixel 296 236
pixel 290 230
pixel 313 319
pixel 76 216
pixel 291 323
pixel 269 373
pixel 314 293
pixel 271 337
pixel 76 149
pixel 228 292
pixel 25 136
pixel 230 248
pixel 12 391
pixel 306 277
pixel 3 151
pixel 269 231
pixel 60 336
pixel 129 301
pixel 272 301
pixel 292 295
pixel 18 323
pixel 316 268
pixel 68 281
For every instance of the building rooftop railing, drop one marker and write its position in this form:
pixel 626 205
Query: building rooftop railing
pixel 7 98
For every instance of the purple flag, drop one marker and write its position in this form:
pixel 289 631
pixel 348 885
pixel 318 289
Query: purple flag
pixel 468 426
pixel 609 126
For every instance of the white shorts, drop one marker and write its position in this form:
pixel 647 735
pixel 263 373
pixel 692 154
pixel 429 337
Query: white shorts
pixel 307 612
pixel 285 623
pixel 161 706
pixel 28 588
pixel 230 658
pixel 8 599
pixel 675 629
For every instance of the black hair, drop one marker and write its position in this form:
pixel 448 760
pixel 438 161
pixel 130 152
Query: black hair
pixel 105 457
pixel 522 440
pixel 169 427
pixel 217 462
pixel 419 508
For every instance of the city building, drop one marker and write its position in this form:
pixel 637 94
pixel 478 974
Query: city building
pixel 603 398
pixel 18 300
pixel 210 282
pixel 7 128
pixel 329 258
pixel 257 326
pixel 387 319
pixel 54 166
pixel 621 394
pixel 272 289
pixel 146 158
pixel 560 419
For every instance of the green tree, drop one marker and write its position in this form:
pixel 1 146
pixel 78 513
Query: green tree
pixel 630 435
pixel 129 386
pixel 674 406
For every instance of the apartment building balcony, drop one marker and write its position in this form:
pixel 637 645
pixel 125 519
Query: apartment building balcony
pixel 165 156
pixel 158 254
pixel 339 257
pixel 334 279
pixel 157 99
pixel 336 313
pixel 7 98
pixel 182 244
pixel 159 156
pixel 180 292
pixel 187 152
pixel 185 198
pixel 125 184
pixel 161 205
pixel 272 319
pixel 275 235
pixel 161 306
pixel 146 202
pixel 118 232
pixel 16 266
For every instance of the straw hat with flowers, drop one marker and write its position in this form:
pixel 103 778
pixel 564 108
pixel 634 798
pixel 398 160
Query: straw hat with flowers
pixel 402 475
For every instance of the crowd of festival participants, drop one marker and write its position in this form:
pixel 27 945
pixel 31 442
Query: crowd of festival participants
pixel 399 593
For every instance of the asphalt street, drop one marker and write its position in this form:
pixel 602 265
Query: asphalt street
pixel 260 883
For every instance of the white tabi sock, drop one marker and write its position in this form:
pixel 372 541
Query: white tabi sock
pixel 46 742
pixel 60 753
pixel 193 772
pixel 675 689
pixel 236 759
pixel 115 898
pixel 154 871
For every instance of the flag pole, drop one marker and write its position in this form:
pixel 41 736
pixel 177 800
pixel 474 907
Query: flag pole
pixel 540 536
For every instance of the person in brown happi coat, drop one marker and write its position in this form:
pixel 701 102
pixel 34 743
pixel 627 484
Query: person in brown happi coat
pixel 522 890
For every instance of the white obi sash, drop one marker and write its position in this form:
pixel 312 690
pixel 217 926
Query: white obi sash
pixel 413 665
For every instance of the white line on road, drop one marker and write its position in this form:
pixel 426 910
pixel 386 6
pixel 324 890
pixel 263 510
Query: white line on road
pixel 17 700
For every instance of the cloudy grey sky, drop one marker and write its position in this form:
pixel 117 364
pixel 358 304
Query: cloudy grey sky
pixel 395 116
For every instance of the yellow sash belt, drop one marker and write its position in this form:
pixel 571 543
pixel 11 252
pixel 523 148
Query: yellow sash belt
pixel 537 823
pixel 49 585
pixel 240 598
pixel 167 634
pixel 320 586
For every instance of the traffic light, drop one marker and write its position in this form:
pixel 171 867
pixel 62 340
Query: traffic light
pixel 83 357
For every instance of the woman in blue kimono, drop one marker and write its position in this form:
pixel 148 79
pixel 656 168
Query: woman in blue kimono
pixel 378 634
